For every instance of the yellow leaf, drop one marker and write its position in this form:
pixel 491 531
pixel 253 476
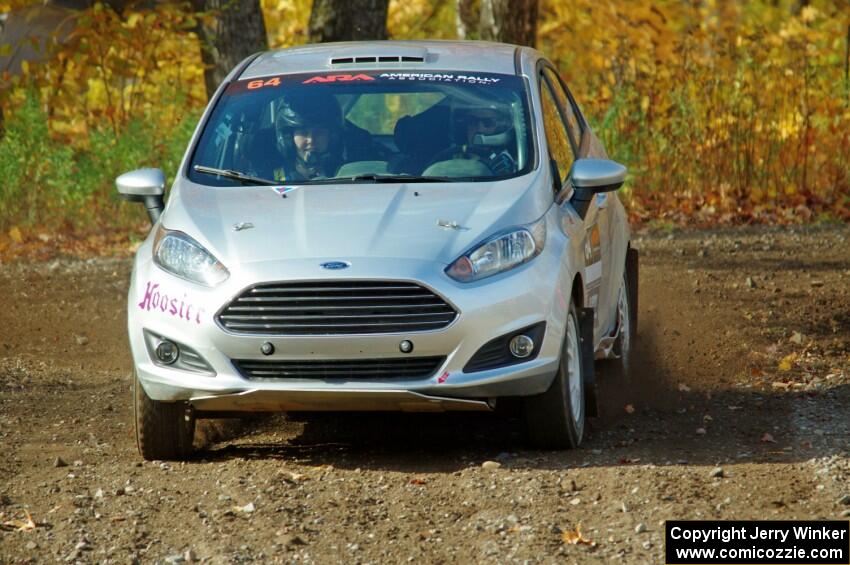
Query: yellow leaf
pixel 133 20
pixel 787 362
pixel 809 14
pixel 15 234
pixel 575 537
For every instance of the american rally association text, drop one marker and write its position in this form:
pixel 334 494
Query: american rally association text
pixel 725 535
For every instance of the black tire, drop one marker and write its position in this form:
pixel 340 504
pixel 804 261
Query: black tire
pixel 551 419
pixel 164 430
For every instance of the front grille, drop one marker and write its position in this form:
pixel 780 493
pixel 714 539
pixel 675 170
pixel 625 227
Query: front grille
pixel 336 307
pixel 404 367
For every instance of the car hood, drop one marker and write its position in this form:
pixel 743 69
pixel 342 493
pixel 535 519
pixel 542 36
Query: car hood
pixel 342 222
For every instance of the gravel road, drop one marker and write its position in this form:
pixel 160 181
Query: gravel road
pixel 740 408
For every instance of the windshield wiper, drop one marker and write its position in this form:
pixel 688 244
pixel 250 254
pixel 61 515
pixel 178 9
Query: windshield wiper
pixel 390 178
pixel 234 175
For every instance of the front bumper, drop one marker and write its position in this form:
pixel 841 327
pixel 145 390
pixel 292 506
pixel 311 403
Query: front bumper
pixel 184 312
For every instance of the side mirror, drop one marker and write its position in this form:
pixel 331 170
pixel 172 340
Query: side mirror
pixel 593 176
pixel 144 185
pixel 597 175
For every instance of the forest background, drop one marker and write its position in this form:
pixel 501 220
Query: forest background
pixel 725 112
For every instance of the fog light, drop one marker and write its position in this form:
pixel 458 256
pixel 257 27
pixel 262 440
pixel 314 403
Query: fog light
pixel 521 346
pixel 167 352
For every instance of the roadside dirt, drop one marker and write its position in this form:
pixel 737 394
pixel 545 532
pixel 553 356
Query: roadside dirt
pixel 739 408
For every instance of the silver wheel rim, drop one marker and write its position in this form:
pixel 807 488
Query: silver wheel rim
pixel 625 322
pixel 574 374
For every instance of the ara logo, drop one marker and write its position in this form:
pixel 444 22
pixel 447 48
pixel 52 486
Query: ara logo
pixel 337 78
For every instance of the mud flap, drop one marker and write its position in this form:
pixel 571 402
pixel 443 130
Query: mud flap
pixel 585 325
pixel 632 281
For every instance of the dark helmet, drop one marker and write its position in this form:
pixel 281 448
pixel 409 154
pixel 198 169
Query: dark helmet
pixel 306 110
pixel 474 107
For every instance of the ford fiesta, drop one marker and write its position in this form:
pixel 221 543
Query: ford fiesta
pixel 415 226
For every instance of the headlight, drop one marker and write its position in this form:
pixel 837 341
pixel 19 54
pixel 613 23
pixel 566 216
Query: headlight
pixel 181 255
pixel 500 253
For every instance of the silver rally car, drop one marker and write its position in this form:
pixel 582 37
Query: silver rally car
pixel 415 226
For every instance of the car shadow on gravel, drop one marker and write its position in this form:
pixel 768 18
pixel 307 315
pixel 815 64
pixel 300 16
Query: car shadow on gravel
pixel 648 420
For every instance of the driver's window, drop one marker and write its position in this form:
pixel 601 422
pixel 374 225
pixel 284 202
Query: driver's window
pixel 556 134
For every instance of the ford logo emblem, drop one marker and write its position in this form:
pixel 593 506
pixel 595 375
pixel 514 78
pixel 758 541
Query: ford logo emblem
pixel 335 265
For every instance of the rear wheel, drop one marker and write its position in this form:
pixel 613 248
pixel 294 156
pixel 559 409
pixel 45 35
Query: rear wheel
pixel 620 366
pixel 164 430
pixel 623 346
pixel 556 418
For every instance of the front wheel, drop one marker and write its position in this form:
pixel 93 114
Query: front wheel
pixel 556 418
pixel 164 430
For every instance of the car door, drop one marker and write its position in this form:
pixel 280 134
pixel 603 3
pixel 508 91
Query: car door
pixel 568 135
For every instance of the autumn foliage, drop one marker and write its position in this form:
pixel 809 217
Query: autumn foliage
pixel 724 112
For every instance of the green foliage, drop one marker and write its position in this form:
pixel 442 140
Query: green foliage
pixel 37 172
pixel 50 183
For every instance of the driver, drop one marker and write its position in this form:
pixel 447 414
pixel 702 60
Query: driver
pixel 485 131
pixel 309 136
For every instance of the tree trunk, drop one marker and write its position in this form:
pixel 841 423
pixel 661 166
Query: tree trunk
pixel 234 31
pixel 798 6
pixel 466 18
pixel 509 21
pixel 348 20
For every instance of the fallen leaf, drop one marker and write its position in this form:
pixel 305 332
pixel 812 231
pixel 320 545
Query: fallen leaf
pixel 767 438
pixel 756 372
pixel 796 337
pixel 684 388
pixel 779 384
pixel 787 362
pixel 16 235
pixel 575 537
pixel 417 481
pixel 629 409
pixel 20 525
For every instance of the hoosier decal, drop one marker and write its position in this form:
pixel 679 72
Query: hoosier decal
pixel 177 307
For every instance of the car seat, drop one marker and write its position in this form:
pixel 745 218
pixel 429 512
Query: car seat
pixel 420 137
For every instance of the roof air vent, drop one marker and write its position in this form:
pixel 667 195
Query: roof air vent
pixel 381 59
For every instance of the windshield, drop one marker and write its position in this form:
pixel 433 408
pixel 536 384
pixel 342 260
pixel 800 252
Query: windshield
pixel 366 127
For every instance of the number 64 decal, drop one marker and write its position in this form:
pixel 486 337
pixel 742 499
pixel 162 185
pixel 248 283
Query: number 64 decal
pixel 255 84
